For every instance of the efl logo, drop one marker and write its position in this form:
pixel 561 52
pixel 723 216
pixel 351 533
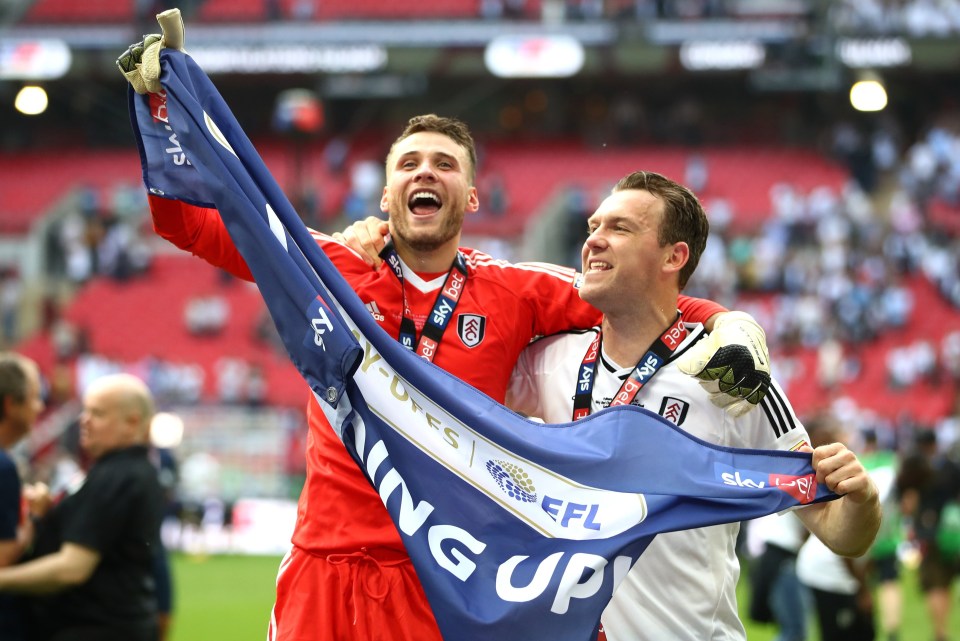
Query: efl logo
pixel 563 512
pixel 514 482
pixel 471 328
pixel 802 488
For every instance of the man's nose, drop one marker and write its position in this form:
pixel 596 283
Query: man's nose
pixel 425 172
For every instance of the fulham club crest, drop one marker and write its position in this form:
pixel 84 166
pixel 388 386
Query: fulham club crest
pixel 471 328
pixel 674 410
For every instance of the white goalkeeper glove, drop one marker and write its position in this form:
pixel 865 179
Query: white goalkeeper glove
pixel 732 363
pixel 140 63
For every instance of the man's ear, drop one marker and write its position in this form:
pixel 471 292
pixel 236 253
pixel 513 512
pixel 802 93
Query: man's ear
pixel 677 257
pixel 473 200
pixel 384 203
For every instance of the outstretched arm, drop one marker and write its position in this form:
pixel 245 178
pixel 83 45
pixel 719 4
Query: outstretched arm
pixel 848 525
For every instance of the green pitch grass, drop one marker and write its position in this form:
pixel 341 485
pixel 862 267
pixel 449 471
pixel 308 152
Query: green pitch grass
pixel 222 597
pixel 229 597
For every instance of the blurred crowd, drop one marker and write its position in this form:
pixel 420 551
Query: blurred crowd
pixel 797 583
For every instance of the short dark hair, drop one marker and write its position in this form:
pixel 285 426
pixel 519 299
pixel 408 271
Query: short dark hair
pixel 452 128
pixel 684 219
pixel 13 380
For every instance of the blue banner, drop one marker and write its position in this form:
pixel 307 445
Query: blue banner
pixel 518 530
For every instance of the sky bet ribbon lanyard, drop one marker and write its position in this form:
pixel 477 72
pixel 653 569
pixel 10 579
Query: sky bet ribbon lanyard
pixel 443 307
pixel 657 354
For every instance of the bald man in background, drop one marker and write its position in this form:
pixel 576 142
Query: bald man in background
pixel 92 571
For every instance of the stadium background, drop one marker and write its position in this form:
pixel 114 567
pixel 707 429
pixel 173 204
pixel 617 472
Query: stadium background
pixel 837 228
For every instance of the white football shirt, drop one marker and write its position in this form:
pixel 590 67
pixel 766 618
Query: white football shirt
pixel 683 588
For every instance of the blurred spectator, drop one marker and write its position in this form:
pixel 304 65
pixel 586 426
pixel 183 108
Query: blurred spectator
pixel 335 154
pixel 206 315
pixel 841 591
pixel 231 377
pixel 11 294
pixel 776 594
pixel 496 202
pixel 255 390
pixel 884 567
pixel 92 575
pixel 929 484
pixel 20 406
pixel 696 173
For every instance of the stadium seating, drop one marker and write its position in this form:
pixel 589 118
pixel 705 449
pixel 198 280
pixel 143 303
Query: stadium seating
pixel 87 12
pixel 926 401
pixel 159 298
pixel 532 173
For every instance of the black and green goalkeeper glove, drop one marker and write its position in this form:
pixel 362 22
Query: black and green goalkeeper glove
pixel 732 363
pixel 140 63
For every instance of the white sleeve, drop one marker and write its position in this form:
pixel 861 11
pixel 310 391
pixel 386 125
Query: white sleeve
pixel 772 426
pixel 523 394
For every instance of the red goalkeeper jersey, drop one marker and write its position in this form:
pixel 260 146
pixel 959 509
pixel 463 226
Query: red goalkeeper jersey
pixel 501 308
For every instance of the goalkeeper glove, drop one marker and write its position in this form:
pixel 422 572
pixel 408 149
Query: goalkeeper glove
pixel 732 363
pixel 140 63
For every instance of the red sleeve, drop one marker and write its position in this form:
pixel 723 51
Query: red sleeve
pixel 554 300
pixel 699 310
pixel 200 231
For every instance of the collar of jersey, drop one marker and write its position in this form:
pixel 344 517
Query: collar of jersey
pixel 411 277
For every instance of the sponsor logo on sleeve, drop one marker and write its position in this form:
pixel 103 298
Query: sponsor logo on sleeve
pixel 803 488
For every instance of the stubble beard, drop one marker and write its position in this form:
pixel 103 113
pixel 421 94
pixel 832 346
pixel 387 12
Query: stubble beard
pixel 430 240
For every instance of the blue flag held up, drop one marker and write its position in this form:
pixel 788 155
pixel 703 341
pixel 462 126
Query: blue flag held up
pixel 517 530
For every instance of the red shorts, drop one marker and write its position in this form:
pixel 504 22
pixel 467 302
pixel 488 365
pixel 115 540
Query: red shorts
pixel 371 595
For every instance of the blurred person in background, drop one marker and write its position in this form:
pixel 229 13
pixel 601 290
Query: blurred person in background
pixel 884 568
pixel 776 593
pixel 645 241
pixel 91 574
pixel 929 486
pixel 20 406
pixel 344 541
pixel 840 585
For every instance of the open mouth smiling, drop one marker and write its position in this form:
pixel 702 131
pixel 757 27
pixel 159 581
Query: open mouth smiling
pixel 424 203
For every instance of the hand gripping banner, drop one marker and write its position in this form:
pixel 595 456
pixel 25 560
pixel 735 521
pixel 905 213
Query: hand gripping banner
pixel 517 530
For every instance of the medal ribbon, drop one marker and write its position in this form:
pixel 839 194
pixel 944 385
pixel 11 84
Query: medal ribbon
pixel 657 354
pixel 446 302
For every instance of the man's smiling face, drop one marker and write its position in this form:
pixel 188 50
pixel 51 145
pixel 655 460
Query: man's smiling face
pixel 428 190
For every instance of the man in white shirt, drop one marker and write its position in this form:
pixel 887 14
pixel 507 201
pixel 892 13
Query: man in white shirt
pixel 645 241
